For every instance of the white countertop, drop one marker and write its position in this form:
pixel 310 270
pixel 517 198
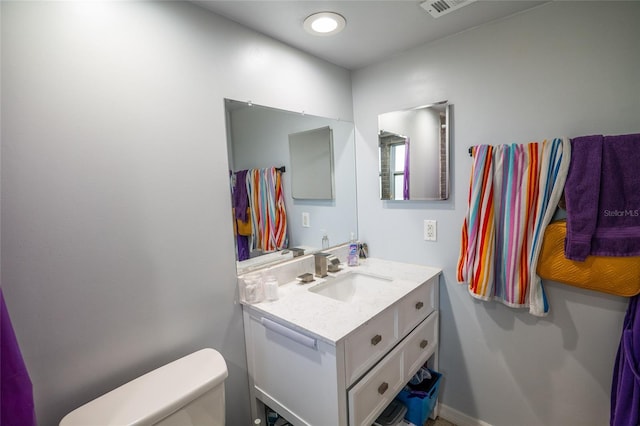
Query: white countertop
pixel 332 320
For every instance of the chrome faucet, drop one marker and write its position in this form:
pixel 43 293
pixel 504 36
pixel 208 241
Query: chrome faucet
pixel 325 262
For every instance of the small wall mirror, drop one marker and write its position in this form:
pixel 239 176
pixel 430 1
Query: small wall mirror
pixel 258 140
pixel 414 153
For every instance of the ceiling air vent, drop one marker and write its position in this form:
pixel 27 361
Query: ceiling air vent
pixel 437 8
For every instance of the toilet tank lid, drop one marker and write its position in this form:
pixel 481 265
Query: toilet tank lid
pixel 155 395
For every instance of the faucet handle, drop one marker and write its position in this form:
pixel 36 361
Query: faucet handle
pixel 305 278
pixel 297 251
pixel 333 263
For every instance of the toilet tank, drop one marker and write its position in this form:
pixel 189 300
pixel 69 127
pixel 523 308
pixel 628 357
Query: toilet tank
pixel 188 391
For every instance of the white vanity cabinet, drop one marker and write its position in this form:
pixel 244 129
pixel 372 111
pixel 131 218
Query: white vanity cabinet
pixel 313 377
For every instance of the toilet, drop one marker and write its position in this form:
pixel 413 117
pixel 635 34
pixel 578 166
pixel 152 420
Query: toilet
pixel 185 392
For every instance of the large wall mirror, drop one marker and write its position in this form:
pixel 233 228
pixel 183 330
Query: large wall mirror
pixel 259 152
pixel 414 153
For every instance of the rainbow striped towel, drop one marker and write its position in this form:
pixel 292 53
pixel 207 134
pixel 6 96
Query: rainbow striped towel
pixel 513 193
pixel 268 213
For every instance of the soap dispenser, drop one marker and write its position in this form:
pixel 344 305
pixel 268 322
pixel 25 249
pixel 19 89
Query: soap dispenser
pixel 353 257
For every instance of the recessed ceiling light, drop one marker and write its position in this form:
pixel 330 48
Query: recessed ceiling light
pixel 324 23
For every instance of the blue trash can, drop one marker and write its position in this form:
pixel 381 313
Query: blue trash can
pixel 420 399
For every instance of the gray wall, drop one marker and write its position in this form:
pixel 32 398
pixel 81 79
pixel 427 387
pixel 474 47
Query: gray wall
pixel 563 69
pixel 117 249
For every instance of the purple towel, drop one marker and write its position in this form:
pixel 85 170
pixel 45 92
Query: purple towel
pixel 240 196
pixel 240 204
pixel 602 195
pixel 625 387
pixel 16 394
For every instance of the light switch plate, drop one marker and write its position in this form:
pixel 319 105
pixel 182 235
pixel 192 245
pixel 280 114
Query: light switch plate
pixel 306 220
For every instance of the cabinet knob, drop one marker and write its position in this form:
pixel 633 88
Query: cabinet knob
pixel 424 344
pixel 376 339
pixel 419 305
pixel 383 388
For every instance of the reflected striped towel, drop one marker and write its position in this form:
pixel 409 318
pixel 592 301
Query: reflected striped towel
pixel 513 193
pixel 268 213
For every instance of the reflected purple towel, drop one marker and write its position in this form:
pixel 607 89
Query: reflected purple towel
pixel 240 197
pixel 240 204
pixel 625 388
pixel 16 406
pixel 602 194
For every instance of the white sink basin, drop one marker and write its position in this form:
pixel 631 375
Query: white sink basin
pixel 353 286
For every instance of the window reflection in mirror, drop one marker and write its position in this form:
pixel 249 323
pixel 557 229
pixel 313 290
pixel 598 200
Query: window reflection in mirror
pixel 258 138
pixel 414 153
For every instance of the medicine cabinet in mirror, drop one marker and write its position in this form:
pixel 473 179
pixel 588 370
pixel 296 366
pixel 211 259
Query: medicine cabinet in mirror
pixel 259 153
pixel 414 153
pixel 311 156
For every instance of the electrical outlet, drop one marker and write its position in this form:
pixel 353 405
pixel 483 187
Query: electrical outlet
pixel 306 221
pixel 430 230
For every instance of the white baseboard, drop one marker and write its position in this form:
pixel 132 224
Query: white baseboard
pixel 458 418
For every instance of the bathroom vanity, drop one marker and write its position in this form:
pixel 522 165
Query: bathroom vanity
pixel 338 350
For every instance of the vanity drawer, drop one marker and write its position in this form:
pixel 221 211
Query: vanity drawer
pixel 416 306
pixel 368 344
pixel 376 390
pixel 420 344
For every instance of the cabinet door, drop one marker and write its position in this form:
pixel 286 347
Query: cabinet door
pixel 368 344
pixel 298 379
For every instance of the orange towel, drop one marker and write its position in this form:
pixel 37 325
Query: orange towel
pixel 244 228
pixel 240 227
pixel 613 275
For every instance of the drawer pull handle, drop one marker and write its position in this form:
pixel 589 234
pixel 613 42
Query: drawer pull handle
pixel 376 339
pixel 424 344
pixel 419 305
pixel 383 388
